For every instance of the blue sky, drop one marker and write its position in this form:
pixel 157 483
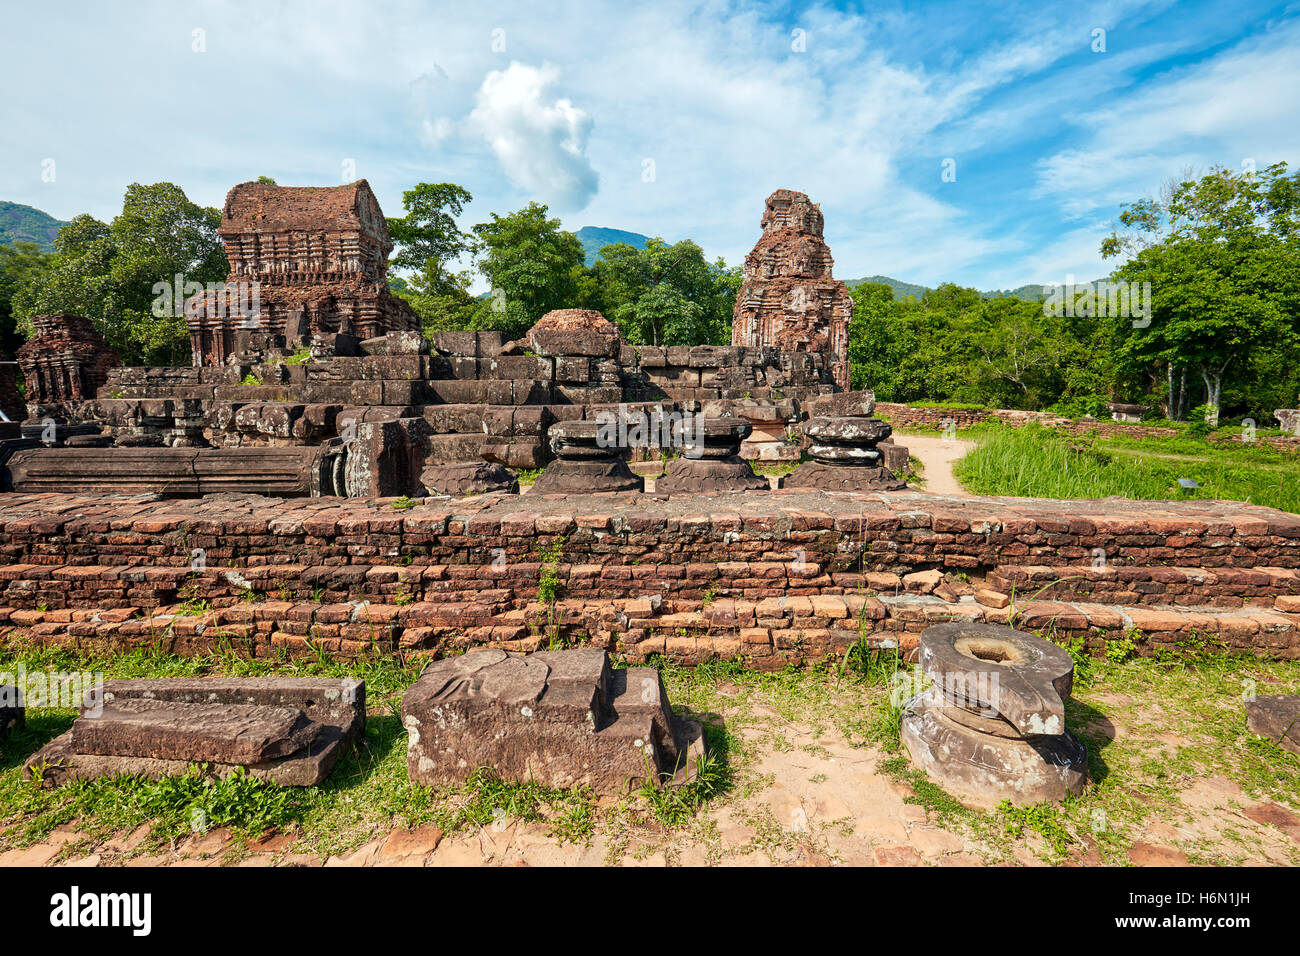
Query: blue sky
pixel 672 119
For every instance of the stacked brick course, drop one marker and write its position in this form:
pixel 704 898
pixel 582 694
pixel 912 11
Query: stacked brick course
pixel 771 578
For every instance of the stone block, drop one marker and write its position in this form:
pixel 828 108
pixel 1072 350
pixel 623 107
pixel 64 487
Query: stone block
pixel 1277 717
pixel 560 718
pixel 288 731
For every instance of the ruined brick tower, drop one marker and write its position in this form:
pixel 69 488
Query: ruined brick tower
pixel 789 298
pixel 319 255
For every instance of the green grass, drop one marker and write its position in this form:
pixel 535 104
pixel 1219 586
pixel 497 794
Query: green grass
pixel 1039 462
pixel 766 468
pixel 1181 714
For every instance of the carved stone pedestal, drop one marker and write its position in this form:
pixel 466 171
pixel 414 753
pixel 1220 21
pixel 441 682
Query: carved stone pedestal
pixel 712 462
pixel 583 465
pixel 844 456
pixel 992 725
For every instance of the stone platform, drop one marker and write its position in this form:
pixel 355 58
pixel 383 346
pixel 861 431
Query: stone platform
pixel 771 576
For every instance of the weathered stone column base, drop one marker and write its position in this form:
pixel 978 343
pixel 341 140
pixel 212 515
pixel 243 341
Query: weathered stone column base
pixel 984 760
pixel 580 477
pixel 469 478
pixel 815 474
pixel 703 475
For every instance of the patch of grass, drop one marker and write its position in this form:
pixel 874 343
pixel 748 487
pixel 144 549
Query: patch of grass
pixel 676 806
pixel 1034 461
pixel 528 476
pixel 925 792
pixel 1045 819
pixel 766 468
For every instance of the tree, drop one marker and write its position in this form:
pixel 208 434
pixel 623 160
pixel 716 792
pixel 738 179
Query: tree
pixel 20 264
pixel 429 243
pixel 109 272
pixel 666 294
pixel 534 266
pixel 428 239
pixel 1222 255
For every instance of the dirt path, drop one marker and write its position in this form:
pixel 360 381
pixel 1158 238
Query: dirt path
pixel 937 455
pixel 804 795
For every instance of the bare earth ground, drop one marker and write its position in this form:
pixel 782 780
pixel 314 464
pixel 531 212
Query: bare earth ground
pixel 937 455
pixel 807 788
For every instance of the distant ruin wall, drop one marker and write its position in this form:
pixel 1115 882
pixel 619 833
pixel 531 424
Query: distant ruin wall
pixel 909 416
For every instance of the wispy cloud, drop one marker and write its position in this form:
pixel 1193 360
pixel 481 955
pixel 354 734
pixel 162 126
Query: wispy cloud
pixel 540 140
pixel 722 101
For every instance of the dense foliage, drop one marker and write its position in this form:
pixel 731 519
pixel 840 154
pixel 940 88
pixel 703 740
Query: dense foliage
pixel 1222 257
pixel 110 272
pixel 1220 327
pixel 661 294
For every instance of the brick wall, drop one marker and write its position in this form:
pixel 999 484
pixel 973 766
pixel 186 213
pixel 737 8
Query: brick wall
pixel 774 577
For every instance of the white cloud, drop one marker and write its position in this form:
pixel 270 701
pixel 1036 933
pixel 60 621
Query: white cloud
pixel 1239 105
pixel 540 141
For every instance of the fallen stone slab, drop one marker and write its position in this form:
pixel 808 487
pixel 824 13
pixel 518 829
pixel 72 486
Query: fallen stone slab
pixel 1277 717
pixel 560 718
pixel 469 478
pixel 287 731
pixel 226 733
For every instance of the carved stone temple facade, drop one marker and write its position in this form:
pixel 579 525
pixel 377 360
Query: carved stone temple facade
pixel 789 299
pixel 304 260
pixel 65 361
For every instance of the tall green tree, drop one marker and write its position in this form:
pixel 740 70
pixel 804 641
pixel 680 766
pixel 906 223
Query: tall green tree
pixel 429 244
pixel 534 266
pixel 20 264
pixel 429 240
pixel 1222 255
pixel 666 294
pixel 110 272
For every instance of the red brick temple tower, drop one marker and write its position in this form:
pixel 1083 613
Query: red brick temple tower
pixel 319 258
pixel 789 298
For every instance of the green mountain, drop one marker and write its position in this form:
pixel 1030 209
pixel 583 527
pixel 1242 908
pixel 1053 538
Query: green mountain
pixel 595 238
pixel 901 289
pixel 1030 293
pixel 19 223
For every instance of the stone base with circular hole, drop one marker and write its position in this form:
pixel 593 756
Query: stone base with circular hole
pixel 992 726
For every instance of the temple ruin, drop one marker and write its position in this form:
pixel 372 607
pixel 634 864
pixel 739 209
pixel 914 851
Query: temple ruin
pixel 789 300
pixel 65 361
pixel 355 460
pixel 304 261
